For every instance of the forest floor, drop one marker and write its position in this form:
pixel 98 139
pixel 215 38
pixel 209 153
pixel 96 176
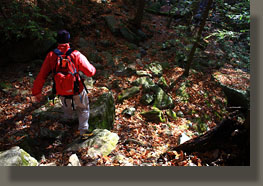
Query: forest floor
pixel 206 103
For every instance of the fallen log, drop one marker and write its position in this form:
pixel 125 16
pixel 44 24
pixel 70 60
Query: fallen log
pixel 218 137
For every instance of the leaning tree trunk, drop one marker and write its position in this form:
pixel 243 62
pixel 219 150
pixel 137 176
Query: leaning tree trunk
pixel 198 37
pixel 139 14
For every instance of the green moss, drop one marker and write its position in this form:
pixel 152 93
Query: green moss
pixel 25 157
pixel 171 114
pixel 128 93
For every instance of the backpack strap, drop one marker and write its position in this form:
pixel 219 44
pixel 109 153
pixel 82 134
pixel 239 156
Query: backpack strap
pixel 57 52
pixel 69 52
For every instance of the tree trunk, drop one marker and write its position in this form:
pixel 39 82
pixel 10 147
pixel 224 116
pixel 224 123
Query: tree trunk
pixel 139 14
pixel 211 139
pixel 224 134
pixel 198 37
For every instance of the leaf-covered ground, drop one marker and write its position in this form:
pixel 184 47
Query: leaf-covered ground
pixel 198 98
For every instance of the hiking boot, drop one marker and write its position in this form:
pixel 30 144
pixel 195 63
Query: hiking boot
pixel 85 134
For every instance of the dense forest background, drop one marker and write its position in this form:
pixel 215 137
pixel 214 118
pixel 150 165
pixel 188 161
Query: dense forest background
pixel 178 72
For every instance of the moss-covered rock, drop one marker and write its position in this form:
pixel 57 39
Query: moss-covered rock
pixel 182 92
pixel 162 83
pixel 146 82
pixel 154 115
pixel 163 100
pixel 147 99
pixel 102 143
pixel 171 114
pixel 156 69
pixel 102 112
pixel 143 73
pixel 49 112
pixel 127 93
pixel 16 157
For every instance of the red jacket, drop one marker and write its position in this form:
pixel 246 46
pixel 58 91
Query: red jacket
pixel 81 62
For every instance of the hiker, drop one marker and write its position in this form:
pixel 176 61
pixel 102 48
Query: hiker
pixel 64 64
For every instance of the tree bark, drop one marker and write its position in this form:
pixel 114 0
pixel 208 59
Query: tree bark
pixel 139 14
pixel 198 37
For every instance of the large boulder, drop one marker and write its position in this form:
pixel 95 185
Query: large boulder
pixel 102 112
pixel 51 112
pixel 16 157
pixel 236 97
pixel 102 143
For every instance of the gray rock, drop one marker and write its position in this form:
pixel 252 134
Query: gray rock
pixel 163 100
pixel 156 69
pixel 112 24
pixel 127 93
pixel 143 73
pixel 162 83
pixel 180 114
pixel 102 143
pixel 146 82
pixel 234 96
pixel 102 112
pixel 48 112
pixel 74 160
pixel 46 133
pixel 16 157
pixel 129 111
pixel 129 35
pixel 126 71
pixel 147 99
